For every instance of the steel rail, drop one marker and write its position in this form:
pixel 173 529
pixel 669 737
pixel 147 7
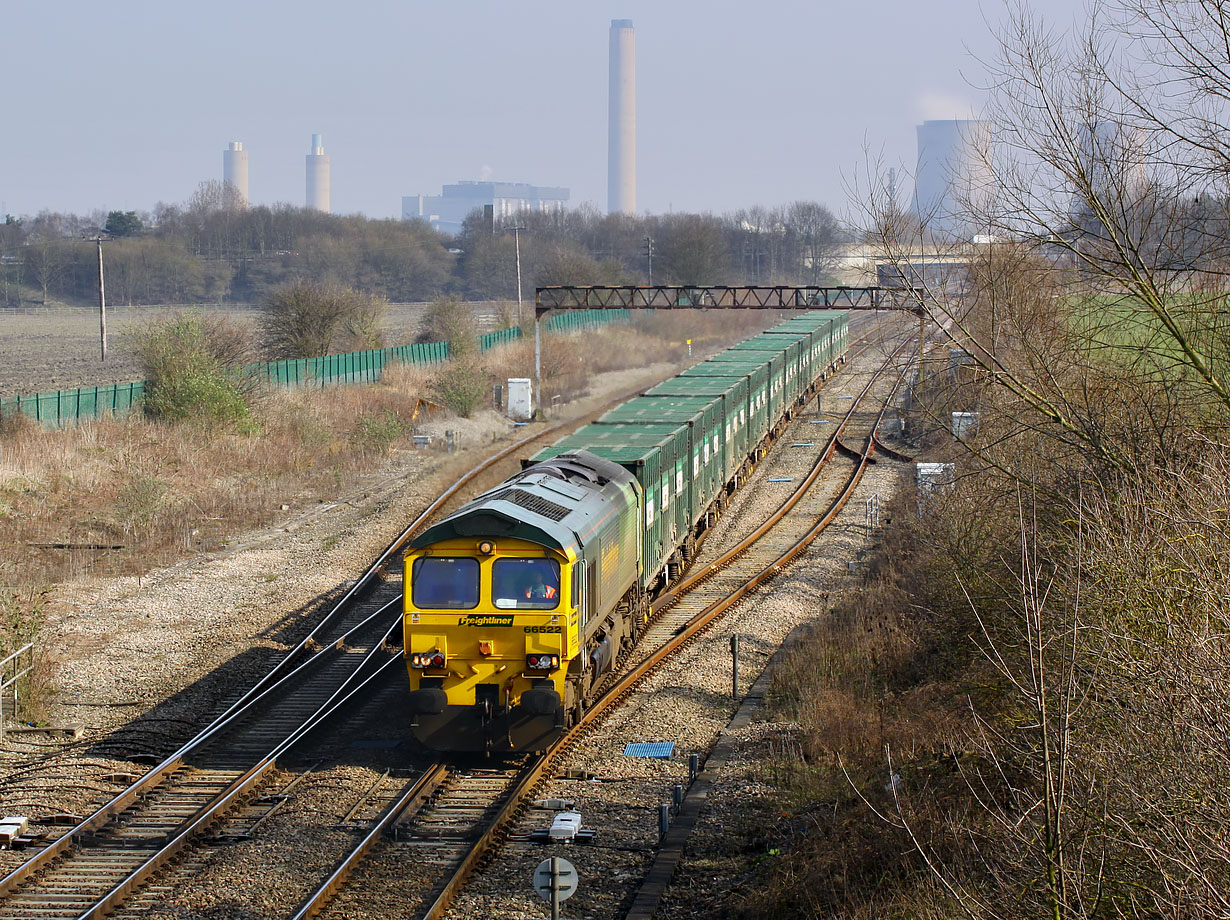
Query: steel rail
pixel 317 901
pixel 284 670
pixel 654 885
pixel 121 802
pixel 529 776
pixel 281 671
pixel 669 597
pixel 413 797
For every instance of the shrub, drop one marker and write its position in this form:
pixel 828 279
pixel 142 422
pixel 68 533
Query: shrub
pixel 193 369
pixel 375 434
pixel 141 496
pixel 13 424
pixel 451 321
pixel 306 319
pixel 21 617
pixel 461 385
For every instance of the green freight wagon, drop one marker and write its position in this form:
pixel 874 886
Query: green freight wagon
pixel 733 391
pixel 814 335
pixel 775 366
pixel 834 326
pixel 656 458
pixel 793 348
pixel 703 419
pixel 749 420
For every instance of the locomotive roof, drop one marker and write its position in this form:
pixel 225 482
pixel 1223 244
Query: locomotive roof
pixel 557 503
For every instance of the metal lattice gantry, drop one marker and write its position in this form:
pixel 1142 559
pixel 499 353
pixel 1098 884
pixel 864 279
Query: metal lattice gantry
pixel 704 297
pixel 688 297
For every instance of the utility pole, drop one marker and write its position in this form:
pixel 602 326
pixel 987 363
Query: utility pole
pixel 649 256
pixel 102 299
pixel 516 232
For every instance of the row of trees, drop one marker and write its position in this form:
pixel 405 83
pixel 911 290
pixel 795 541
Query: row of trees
pixel 214 249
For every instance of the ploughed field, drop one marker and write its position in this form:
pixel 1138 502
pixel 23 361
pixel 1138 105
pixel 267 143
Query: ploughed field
pixel 58 349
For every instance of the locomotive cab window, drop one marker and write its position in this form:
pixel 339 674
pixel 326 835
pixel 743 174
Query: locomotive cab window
pixel 442 583
pixel 525 584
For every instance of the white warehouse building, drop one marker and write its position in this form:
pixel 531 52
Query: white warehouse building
pixel 445 212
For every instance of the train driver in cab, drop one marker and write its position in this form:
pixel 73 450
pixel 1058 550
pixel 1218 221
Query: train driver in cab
pixel 539 590
pixel 541 584
pixel 525 584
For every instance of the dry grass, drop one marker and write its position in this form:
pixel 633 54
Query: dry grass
pixel 157 490
pixel 124 496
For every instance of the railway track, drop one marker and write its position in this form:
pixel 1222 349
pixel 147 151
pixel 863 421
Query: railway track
pixel 384 861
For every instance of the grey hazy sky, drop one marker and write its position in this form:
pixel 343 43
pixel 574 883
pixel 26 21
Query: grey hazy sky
pixel 121 104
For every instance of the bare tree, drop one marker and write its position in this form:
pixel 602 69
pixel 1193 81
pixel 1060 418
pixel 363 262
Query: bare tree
pixel 819 235
pixel 46 257
pixel 1095 341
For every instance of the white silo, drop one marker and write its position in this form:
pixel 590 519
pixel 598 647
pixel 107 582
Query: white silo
pixel 235 171
pixel 953 182
pixel 621 126
pixel 318 175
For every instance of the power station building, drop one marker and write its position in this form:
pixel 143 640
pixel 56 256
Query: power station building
pixel 235 171
pixel 621 120
pixel 447 211
pixel 953 181
pixel 318 175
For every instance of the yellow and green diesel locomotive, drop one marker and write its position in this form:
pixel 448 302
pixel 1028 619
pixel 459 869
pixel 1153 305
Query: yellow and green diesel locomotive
pixel 519 601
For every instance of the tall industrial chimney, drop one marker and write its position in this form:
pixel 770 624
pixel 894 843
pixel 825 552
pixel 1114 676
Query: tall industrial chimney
pixel 318 175
pixel 235 171
pixel 621 129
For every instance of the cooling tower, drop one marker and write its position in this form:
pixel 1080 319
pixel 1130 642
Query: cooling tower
pixel 1113 162
pixel 621 128
pixel 953 182
pixel 318 175
pixel 235 170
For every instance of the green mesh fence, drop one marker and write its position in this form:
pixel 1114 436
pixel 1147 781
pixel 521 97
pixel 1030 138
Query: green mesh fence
pixel 586 319
pixel 502 337
pixel 351 367
pixel 66 407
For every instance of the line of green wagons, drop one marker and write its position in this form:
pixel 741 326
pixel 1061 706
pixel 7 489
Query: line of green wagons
pixel 689 439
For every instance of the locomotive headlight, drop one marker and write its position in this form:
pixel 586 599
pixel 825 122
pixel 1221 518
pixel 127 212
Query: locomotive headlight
pixel 541 662
pixel 427 660
pixel 486 547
